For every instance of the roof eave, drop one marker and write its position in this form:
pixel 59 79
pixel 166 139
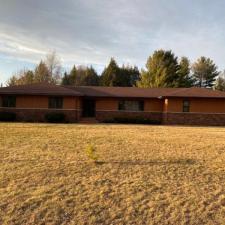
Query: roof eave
pixel 42 94
pixel 220 97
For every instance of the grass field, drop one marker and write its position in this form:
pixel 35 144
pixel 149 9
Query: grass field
pixel 147 175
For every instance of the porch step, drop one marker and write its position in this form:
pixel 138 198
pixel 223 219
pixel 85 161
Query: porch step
pixel 88 120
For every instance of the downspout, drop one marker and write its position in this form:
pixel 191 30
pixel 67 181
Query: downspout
pixel 166 102
pixel 77 108
pixel 164 109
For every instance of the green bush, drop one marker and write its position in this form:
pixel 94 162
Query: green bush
pixel 135 120
pixel 55 117
pixel 7 116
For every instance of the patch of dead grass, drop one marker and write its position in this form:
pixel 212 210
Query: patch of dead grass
pixel 147 174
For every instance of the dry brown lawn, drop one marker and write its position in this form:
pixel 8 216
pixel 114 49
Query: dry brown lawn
pixel 148 175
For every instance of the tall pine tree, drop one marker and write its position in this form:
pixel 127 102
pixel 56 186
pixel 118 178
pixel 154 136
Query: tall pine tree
pixel 73 76
pixel 129 76
pixel 81 76
pixel 204 72
pixel 66 79
pixel 184 73
pixel 162 70
pixel 125 76
pixel 91 77
pixel 110 74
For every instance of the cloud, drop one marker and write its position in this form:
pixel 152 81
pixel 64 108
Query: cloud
pixel 91 31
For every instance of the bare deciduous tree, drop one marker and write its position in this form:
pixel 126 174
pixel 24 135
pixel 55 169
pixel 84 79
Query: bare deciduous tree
pixel 53 63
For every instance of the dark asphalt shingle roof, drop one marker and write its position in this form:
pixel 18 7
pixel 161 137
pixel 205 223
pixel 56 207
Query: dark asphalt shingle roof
pixel 39 89
pixel 197 92
pixel 94 91
pixel 135 92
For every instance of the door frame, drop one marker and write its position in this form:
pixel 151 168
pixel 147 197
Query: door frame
pixel 86 111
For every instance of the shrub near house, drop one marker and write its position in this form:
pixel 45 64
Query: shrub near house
pixel 7 116
pixel 55 117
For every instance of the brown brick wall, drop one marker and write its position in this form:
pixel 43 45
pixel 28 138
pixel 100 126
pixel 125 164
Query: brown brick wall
pixel 38 115
pixel 41 102
pixel 31 101
pixel 208 105
pixel 204 119
pixel 200 119
pixel 197 105
pixel 70 103
pixel 102 116
pixel 107 104
pixel 153 105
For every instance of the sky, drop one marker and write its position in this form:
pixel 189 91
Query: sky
pixel 85 32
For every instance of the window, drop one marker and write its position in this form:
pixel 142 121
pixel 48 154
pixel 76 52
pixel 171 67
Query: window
pixel 186 106
pixel 55 103
pixel 131 105
pixel 9 101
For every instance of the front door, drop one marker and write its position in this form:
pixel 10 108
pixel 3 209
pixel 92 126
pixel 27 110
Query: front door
pixel 88 108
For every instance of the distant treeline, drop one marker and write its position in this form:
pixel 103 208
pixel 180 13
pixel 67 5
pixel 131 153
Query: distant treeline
pixel 163 69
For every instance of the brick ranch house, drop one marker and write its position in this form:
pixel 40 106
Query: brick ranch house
pixel 190 106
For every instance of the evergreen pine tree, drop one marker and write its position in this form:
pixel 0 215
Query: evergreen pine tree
pixel 110 74
pixel 184 73
pixel 162 70
pixel 204 72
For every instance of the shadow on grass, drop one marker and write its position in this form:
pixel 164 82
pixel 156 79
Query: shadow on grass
pixel 152 162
